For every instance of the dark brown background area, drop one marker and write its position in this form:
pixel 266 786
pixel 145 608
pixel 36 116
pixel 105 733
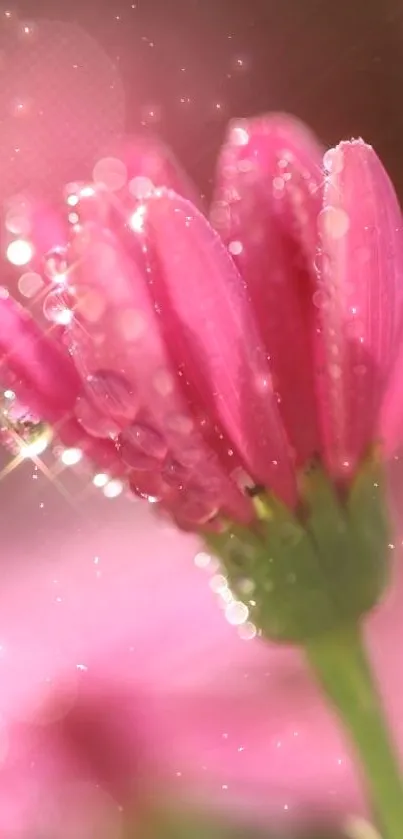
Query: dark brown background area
pixel 338 65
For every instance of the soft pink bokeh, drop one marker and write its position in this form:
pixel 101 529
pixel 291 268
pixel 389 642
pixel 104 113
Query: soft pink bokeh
pixel 121 671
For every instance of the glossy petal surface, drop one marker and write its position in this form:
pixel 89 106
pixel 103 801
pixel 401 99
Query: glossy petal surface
pixel 118 345
pixel 360 312
pixel 266 205
pixel 211 333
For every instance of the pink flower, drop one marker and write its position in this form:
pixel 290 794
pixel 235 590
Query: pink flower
pixel 188 375
pixel 200 375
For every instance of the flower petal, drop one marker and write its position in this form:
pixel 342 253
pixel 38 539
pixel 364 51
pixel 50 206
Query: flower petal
pixel 119 350
pixel 361 282
pixel 45 380
pixel 45 377
pixel 266 204
pixel 212 337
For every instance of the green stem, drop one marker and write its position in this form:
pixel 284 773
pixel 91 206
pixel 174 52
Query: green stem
pixel 341 665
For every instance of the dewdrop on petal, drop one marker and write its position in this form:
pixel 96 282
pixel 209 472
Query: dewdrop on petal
pixel 56 264
pixel 23 434
pixel 38 442
pixel 136 220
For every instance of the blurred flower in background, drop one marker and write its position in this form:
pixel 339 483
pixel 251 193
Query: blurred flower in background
pixel 121 682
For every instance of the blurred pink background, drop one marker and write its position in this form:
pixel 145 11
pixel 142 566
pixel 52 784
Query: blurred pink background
pixel 119 673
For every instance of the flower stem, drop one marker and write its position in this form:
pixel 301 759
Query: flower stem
pixel 341 665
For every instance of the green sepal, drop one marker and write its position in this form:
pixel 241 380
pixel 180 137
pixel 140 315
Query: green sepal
pixel 351 535
pixel 370 525
pixel 308 572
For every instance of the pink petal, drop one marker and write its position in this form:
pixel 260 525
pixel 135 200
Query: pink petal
pixel 101 453
pixel 211 334
pixel 360 313
pixel 117 344
pixel 45 377
pixel 266 205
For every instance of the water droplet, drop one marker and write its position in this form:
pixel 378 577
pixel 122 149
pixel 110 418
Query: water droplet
pixel 180 423
pixel 111 173
pixel 175 474
pixel 242 479
pixel 278 184
pixel 131 323
pixel 235 248
pixel 163 382
pixel 93 421
pixel 148 486
pixel 56 264
pixel 239 136
pixel 333 161
pixel 194 508
pixel 137 219
pixel 334 222
pixel 236 613
pixel 323 267
pixel 220 214
pixel 112 392
pixel 141 187
pixel 335 371
pixel 18 220
pixel 141 447
pixel 319 298
pixel 71 191
pixel 191 453
pixel 58 307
